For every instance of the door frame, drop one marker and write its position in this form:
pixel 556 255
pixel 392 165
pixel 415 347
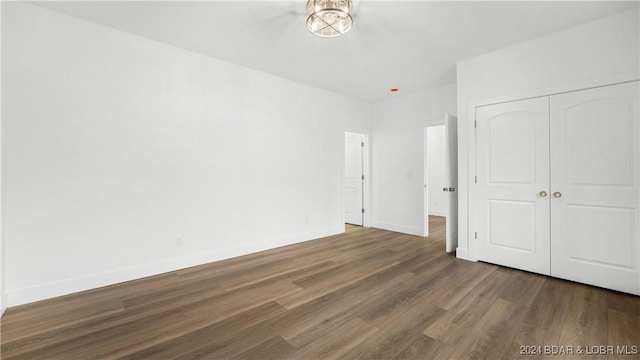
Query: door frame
pixel 425 173
pixel 366 184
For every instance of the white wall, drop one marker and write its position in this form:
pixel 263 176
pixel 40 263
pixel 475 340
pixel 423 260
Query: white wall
pixel 115 144
pixel 436 178
pixel 593 54
pixel 397 153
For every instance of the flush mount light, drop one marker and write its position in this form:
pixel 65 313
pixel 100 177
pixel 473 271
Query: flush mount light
pixel 329 18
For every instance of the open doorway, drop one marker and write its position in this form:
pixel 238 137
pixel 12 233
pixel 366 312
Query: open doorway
pixel 355 184
pixel 436 199
pixel 441 180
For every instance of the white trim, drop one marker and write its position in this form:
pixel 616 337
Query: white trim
pixel 560 89
pixel 470 252
pixel 425 183
pixel 367 203
pixel 411 230
pixel 462 253
pixel 3 272
pixel 49 290
pixel 437 213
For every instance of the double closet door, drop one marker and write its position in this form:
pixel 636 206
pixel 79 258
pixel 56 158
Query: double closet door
pixel 557 181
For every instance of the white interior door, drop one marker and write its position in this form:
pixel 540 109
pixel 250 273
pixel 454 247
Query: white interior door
pixel 353 178
pixel 451 179
pixel 513 184
pixel 594 186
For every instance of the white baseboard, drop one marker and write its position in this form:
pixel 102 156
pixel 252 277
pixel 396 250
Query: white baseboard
pixel 397 228
pixel 68 286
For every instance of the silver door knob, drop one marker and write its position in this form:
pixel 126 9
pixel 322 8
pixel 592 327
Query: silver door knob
pixel 543 193
pixel 445 189
pixel 557 194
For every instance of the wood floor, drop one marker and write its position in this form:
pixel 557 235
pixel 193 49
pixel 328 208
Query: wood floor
pixel 365 294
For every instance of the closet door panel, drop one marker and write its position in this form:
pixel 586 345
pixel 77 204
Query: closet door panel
pixel 513 184
pixel 594 187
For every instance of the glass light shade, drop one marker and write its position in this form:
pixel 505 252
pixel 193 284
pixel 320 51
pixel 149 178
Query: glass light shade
pixel 329 18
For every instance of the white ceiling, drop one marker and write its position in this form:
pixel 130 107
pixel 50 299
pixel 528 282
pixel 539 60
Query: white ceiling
pixel 411 45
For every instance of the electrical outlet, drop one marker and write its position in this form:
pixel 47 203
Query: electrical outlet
pixel 179 240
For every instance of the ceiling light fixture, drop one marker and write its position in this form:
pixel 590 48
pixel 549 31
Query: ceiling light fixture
pixel 329 18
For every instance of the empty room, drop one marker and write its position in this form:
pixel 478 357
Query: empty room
pixel 320 179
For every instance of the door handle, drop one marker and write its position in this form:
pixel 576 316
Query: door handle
pixel 452 189
pixel 445 189
pixel 542 193
pixel 557 194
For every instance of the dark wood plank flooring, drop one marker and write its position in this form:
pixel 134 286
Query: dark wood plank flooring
pixel 365 294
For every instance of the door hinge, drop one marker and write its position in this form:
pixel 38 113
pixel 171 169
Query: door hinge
pixel 362 143
pixel 362 177
pixel 475 179
pixel 363 211
pixel 475 124
pixel 476 235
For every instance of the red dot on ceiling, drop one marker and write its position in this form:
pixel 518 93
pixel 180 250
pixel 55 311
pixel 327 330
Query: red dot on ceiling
pixel 394 90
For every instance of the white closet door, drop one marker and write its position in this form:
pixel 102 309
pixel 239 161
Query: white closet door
pixel 513 184
pixel 594 187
